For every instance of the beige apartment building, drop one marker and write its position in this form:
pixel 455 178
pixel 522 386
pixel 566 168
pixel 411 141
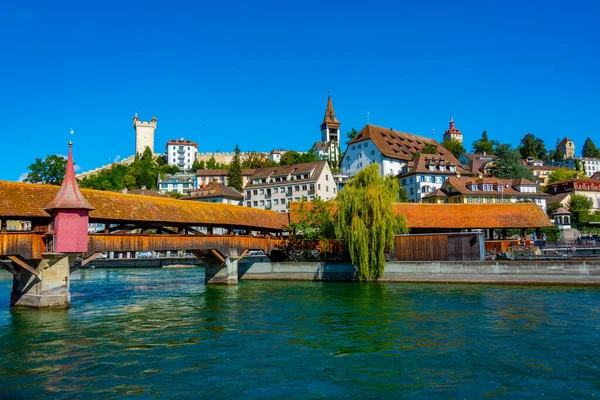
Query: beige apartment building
pixel 274 188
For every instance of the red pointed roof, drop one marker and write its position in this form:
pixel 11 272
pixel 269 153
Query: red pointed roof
pixel 329 117
pixel 69 196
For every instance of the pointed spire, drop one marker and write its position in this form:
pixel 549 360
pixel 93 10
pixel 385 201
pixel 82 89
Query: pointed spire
pixel 329 117
pixel 451 121
pixel 69 196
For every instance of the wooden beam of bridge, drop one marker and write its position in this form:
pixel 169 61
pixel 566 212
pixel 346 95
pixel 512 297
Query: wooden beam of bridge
pixel 28 245
pixel 99 243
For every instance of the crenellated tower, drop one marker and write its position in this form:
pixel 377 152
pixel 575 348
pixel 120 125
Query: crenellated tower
pixel 144 134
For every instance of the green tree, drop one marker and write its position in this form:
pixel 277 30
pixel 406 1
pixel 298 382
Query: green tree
pixel 212 163
pixel 175 195
pixel 579 204
pixel 429 148
pixel 196 165
pixel 532 147
pixel 561 174
pixel 234 176
pixel 589 149
pixel 454 146
pixel 555 154
pixel 508 165
pixel 351 134
pixel 290 157
pixel 365 220
pixel 402 196
pixel 484 145
pixel 254 160
pixel 309 156
pixel 50 171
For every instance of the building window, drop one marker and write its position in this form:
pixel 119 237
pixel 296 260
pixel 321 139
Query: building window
pixel 255 203
pixel 326 177
pixel 319 186
pixel 282 201
pixel 304 187
pixel 276 202
pixel 262 203
pixel 296 188
pixel 327 188
pixel 248 204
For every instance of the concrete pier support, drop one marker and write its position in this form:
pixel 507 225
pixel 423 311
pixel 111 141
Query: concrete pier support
pixel 222 272
pixel 49 289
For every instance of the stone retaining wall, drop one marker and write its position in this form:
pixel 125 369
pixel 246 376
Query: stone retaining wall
pixel 578 272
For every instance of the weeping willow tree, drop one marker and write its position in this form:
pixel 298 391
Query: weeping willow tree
pixel 366 222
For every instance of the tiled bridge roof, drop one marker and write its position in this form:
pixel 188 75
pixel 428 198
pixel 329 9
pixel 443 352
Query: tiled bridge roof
pixel 22 200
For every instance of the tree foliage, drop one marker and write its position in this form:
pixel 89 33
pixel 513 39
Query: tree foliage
pixel 50 171
pixel 365 220
pixel 254 160
pixel 454 146
pixel 429 148
pixel 197 164
pixel 589 149
pixel 292 157
pixel 561 174
pixel 484 145
pixel 556 154
pixel 144 171
pixel 234 176
pixel 533 147
pixel 509 166
pixel 579 203
pixel 351 134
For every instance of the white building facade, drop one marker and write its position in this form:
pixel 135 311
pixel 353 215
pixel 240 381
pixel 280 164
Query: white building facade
pixel 391 149
pixel 275 188
pixel 181 153
pixel 587 165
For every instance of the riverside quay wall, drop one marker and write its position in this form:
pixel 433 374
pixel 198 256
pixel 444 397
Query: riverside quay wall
pixel 564 272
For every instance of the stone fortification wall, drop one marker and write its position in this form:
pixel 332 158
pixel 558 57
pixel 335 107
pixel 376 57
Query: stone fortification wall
pixel 576 272
pixel 223 158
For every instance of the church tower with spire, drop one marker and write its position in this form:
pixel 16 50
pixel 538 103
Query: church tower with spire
pixel 330 134
pixel 452 132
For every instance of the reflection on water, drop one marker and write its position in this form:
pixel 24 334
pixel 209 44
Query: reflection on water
pixel 162 333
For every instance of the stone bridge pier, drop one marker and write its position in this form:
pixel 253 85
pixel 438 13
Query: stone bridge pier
pixel 45 284
pixel 220 269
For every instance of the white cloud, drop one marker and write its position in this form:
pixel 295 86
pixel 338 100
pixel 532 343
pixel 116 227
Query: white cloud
pixel 117 158
pixel 22 176
pixel 77 168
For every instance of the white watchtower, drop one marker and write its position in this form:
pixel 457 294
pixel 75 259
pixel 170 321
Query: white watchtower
pixel 144 134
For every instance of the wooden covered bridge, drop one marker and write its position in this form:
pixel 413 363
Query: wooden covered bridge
pixel 53 238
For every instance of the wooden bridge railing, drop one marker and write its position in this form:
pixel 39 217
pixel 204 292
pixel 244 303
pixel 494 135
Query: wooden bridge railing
pixel 100 243
pixel 27 245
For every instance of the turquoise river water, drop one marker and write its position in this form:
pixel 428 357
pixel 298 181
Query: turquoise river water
pixel 161 333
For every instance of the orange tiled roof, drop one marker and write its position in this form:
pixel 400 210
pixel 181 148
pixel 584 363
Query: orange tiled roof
pixel 473 216
pixel 422 164
pixel 462 216
pixel 399 145
pixel 28 200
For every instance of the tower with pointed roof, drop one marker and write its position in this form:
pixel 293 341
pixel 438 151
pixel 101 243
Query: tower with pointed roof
pixel 71 214
pixel 144 134
pixel 452 132
pixel 330 134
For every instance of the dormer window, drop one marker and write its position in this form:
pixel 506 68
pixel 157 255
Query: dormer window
pixel 452 168
pixel 473 187
pixel 442 168
pixel 500 188
pixel 432 167
pixel 487 187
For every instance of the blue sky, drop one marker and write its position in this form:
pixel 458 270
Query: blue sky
pixel 257 73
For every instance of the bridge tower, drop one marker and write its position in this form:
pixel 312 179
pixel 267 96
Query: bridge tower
pixel 69 228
